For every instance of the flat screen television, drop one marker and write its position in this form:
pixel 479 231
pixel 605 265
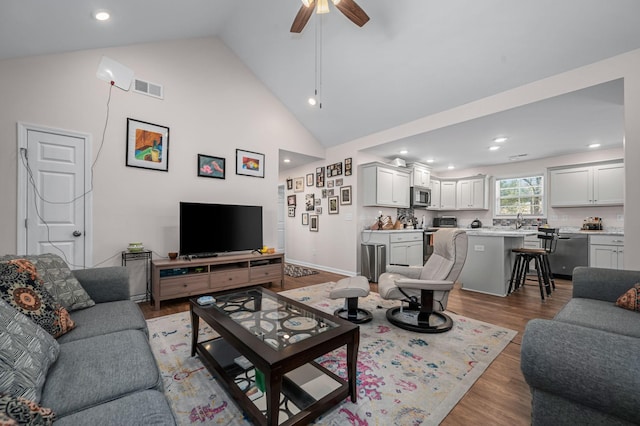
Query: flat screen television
pixel 208 229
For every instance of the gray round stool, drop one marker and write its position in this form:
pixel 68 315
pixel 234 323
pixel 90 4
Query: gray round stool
pixel 351 289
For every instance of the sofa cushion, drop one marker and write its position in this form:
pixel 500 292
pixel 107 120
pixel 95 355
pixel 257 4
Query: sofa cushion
pixel 26 353
pixel 58 280
pixel 600 315
pixel 105 318
pixel 100 369
pixel 631 299
pixel 21 287
pixel 23 412
pixel 148 407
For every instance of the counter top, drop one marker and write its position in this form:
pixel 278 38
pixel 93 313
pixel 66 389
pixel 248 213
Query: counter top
pixel 480 232
pixel 392 231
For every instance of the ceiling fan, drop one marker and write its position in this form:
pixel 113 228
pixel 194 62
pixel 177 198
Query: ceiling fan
pixel 348 7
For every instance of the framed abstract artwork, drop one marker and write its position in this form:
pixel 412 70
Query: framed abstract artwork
pixel 212 167
pixel 249 163
pixel 147 145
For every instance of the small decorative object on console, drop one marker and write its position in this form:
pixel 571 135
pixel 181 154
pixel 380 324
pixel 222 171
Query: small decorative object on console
pixel 135 247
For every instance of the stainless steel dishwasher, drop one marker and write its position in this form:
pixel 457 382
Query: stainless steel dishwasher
pixel 572 250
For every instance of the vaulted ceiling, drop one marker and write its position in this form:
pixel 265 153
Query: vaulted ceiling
pixel 412 59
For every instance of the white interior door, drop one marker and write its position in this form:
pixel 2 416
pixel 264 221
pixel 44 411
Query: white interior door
pixel 54 193
pixel 281 216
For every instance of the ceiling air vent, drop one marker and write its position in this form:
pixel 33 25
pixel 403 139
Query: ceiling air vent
pixel 148 88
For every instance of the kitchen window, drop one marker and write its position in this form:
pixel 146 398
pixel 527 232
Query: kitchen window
pixel 520 195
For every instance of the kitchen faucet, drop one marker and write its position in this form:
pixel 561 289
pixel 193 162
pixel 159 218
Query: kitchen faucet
pixel 519 221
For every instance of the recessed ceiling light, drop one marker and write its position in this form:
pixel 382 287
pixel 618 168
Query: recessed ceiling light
pixel 101 15
pixel 404 151
pixel 594 145
pixel 500 139
pixel 286 160
pixel 450 167
pixel 312 101
pixel 430 160
pixel 494 148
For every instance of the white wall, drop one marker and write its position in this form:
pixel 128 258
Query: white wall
pixel 213 104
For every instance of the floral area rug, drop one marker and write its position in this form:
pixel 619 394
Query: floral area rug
pixel 404 378
pixel 297 271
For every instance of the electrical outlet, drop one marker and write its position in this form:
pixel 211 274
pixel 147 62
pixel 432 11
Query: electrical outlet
pixel 478 247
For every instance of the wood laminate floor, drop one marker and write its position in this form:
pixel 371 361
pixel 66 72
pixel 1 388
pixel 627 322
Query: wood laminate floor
pixel 500 396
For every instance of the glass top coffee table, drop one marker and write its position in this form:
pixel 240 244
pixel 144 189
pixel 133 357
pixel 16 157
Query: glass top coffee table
pixel 266 350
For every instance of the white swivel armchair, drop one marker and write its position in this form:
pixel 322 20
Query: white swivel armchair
pixel 426 289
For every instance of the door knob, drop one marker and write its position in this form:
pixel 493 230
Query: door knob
pixel 77 233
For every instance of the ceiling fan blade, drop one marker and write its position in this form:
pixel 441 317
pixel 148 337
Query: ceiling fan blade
pixel 302 17
pixel 352 11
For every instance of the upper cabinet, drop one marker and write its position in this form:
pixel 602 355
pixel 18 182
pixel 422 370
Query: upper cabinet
pixel 472 194
pixel 447 195
pixel 385 186
pixel 420 175
pixel 435 195
pixel 600 185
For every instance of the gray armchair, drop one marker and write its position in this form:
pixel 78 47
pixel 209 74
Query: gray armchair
pixel 426 289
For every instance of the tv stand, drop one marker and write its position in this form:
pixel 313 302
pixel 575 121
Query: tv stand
pixel 173 279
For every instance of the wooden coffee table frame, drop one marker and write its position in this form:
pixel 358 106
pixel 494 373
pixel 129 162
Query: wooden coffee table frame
pixel 276 363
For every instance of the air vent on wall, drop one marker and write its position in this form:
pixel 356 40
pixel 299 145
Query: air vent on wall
pixel 148 88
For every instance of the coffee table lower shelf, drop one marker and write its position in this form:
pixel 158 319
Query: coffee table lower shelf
pixel 306 392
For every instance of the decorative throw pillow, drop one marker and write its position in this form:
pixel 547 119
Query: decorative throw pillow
pixel 26 353
pixel 21 288
pixel 58 280
pixel 631 299
pixel 21 411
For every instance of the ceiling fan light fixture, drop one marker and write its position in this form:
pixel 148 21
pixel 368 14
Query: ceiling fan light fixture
pixel 323 6
pixel 306 3
pixel 335 2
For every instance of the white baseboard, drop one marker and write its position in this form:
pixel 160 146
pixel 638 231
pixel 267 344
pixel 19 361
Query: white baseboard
pixel 321 267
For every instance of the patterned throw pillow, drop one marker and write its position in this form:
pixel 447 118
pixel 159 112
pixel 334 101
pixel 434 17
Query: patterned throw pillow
pixel 26 353
pixel 21 288
pixel 21 411
pixel 631 299
pixel 58 280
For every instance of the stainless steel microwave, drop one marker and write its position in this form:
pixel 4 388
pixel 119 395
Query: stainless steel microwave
pixel 420 197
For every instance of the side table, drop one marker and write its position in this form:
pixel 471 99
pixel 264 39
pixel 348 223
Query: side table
pixel 141 255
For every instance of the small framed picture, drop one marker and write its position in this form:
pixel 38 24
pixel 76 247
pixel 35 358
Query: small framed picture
pixel 310 179
pixel 318 201
pixel 320 177
pixel 313 222
pixel 339 182
pixel 324 193
pixel 345 195
pixel 347 166
pixel 298 184
pixel 309 202
pixel 318 210
pixel 305 218
pixel 329 184
pixel 292 211
pixel 333 205
pixel 291 200
pixel 249 163
pixel 147 145
pixel 209 166
pixel 289 184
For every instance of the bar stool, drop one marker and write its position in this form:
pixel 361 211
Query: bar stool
pixel 540 257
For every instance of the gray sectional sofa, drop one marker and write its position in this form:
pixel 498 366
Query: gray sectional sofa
pixel 105 372
pixel 582 366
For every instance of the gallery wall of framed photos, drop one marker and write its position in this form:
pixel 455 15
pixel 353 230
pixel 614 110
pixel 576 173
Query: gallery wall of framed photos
pixel 325 190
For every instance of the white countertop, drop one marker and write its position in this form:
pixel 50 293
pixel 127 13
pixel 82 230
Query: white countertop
pixel 393 231
pixel 489 232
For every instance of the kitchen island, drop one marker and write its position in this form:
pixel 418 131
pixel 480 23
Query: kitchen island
pixel 489 259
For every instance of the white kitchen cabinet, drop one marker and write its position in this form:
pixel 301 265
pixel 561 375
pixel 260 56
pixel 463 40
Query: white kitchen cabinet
pixel 472 194
pixel 601 184
pixel 402 247
pixel 435 195
pixel 406 248
pixel 606 251
pixel 448 195
pixel 385 186
pixel 420 175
